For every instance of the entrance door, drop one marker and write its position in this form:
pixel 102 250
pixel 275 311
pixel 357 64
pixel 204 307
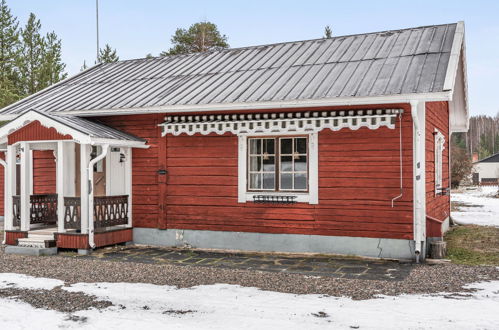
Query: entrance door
pixel 99 187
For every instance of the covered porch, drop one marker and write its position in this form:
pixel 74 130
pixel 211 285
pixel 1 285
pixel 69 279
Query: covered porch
pixel 89 204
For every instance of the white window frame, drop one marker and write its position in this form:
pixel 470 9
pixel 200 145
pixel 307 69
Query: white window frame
pixel 439 165
pixel 311 196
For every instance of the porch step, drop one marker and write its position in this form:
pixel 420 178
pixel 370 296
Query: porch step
pixel 41 236
pixel 36 242
pixel 30 251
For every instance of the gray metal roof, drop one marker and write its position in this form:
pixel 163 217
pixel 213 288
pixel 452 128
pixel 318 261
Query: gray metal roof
pixel 374 64
pixel 92 128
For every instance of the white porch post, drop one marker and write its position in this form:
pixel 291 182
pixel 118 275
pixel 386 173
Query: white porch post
pixel 25 186
pixel 65 178
pixel 128 183
pixel 10 187
pixel 60 186
pixel 85 150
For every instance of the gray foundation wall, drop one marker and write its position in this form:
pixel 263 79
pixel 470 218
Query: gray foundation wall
pixel 224 240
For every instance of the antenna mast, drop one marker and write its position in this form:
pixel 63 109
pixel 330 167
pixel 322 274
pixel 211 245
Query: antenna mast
pixel 97 23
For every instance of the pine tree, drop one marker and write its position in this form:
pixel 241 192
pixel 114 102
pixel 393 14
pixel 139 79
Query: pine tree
pixel 328 33
pixel 9 47
pixel 52 70
pixel 84 66
pixel 200 37
pixel 108 55
pixel 30 61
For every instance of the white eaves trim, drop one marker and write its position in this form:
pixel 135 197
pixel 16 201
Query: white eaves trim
pixel 63 129
pixel 452 67
pixel 338 101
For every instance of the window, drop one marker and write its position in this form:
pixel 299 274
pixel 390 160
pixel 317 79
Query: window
pixel 439 149
pixel 278 164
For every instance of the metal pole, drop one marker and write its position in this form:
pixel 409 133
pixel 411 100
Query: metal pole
pixel 97 23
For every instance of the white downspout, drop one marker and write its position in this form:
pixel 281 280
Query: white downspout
pixel 90 171
pixel 5 185
pixel 419 168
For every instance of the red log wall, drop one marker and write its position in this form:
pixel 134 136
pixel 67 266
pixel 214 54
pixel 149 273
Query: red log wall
pixel 44 172
pixel 437 207
pixel 36 132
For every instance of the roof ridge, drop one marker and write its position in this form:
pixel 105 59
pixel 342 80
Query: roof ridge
pixel 278 43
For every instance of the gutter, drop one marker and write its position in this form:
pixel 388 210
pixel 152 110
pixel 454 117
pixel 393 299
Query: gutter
pixel 419 167
pixel 90 171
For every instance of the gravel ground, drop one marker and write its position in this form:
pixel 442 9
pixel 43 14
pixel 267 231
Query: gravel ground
pixel 55 299
pixel 422 279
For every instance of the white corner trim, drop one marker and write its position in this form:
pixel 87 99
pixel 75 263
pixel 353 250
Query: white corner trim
pixel 452 67
pixel 311 197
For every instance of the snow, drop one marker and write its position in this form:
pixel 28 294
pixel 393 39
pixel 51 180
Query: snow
pixel 223 306
pixel 11 280
pixel 480 206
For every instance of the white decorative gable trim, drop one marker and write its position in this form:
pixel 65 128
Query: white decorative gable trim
pixel 271 123
pixel 439 149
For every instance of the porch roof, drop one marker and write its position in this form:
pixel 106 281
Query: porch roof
pixel 81 130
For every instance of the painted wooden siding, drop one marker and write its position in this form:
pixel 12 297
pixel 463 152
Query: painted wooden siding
pixel 145 164
pixel 358 177
pixel 438 207
pixel 36 132
pixel 44 172
pixel 2 183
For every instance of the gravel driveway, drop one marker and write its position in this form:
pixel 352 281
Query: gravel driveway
pixel 421 279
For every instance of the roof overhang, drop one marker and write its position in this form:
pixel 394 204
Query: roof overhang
pixel 456 83
pixel 77 135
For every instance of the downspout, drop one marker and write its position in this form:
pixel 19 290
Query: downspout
pixel 400 163
pixel 4 164
pixel 417 172
pixel 90 171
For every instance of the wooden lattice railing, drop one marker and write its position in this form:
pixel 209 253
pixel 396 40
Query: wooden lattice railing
pixel 110 211
pixel 43 209
pixel 16 210
pixel 72 213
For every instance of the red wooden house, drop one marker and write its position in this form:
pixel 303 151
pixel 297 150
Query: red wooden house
pixel 330 146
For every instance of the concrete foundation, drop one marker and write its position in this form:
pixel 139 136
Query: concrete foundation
pixel 84 252
pixel 30 251
pixel 224 240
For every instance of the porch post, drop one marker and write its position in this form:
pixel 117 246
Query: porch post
pixel 25 186
pixel 128 183
pixel 10 187
pixel 60 186
pixel 85 150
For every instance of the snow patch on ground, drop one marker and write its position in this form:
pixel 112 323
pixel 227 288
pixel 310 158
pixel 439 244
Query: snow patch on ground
pixel 224 306
pixel 21 281
pixel 480 206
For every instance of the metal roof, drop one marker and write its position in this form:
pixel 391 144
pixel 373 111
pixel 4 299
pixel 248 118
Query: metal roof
pixel 72 125
pixel 394 62
pixel 491 159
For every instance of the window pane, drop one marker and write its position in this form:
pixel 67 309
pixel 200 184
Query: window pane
pixel 255 181
pixel 301 181
pixel 286 181
pixel 301 145
pixel 269 181
pixel 255 146
pixel 269 164
pixel 301 163
pixel 286 146
pixel 269 146
pixel 255 163
pixel 286 163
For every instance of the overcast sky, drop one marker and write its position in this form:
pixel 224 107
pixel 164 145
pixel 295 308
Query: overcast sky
pixel 138 27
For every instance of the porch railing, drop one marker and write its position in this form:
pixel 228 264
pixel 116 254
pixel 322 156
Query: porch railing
pixel 42 209
pixel 110 211
pixel 72 213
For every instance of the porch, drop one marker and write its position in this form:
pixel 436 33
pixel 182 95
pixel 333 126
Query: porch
pixel 89 202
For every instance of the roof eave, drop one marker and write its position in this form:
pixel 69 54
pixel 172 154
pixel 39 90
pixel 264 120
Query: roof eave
pixel 338 101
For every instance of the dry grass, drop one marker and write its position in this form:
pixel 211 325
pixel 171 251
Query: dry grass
pixel 473 245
